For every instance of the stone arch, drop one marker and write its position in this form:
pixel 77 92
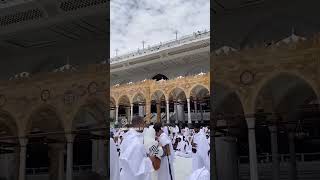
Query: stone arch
pixel 10 123
pixel 89 129
pixel 94 107
pixel 177 92
pixel 228 110
pixel 252 101
pixel 195 88
pixel 221 90
pixel 124 99
pixel 157 92
pixel 139 96
pixel 112 101
pixel 43 110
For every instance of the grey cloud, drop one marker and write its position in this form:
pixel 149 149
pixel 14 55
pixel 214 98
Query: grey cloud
pixel 154 21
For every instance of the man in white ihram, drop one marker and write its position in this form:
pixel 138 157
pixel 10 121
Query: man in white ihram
pixel 136 162
pixel 149 142
pixel 114 159
pixel 200 149
pixel 166 171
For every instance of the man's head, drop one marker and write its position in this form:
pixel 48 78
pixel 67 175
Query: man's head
pixel 137 122
pixel 197 128
pixel 157 127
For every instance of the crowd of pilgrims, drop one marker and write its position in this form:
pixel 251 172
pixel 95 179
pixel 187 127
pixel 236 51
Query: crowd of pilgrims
pixel 147 151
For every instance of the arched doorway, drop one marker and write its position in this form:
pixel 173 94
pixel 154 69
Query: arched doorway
pixel 287 123
pixel 9 147
pixel 124 114
pixel 46 143
pixel 89 145
pixel 179 101
pixel 158 104
pixel 139 103
pixel 200 104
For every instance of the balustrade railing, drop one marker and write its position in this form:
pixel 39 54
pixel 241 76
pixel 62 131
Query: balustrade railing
pixel 45 170
pixel 150 49
pixel 37 171
pixel 82 168
pixel 284 158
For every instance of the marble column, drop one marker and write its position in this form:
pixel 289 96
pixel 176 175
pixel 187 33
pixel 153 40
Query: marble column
pixel 180 110
pixel 69 168
pixel 141 111
pixel 158 112
pixel 227 158
pixel 148 111
pixel 128 117
pixel 101 164
pixel 56 157
pixel 189 113
pixel 275 154
pixel 117 114
pixel 23 154
pixel 292 151
pixel 168 111
pixel 195 110
pixel 61 163
pixel 176 112
pixel 252 148
pixel 131 113
pixel 94 154
pixel 201 113
pixel 112 114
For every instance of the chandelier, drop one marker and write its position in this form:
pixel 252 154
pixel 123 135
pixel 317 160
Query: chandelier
pixel 300 132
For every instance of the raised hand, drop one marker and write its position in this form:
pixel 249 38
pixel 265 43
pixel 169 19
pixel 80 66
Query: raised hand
pixel 153 150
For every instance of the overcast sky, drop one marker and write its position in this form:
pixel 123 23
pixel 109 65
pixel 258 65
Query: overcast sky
pixel 153 21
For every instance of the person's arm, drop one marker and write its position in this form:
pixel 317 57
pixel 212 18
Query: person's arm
pixel 166 150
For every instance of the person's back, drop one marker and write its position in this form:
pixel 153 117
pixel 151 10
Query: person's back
pixel 200 174
pixel 202 149
pixel 134 161
pixel 166 171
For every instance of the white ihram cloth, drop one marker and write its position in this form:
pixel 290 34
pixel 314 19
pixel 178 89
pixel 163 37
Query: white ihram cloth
pixel 200 158
pixel 165 130
pixel 149 141
pixel 200 174
pixel 176 129
pixel 133 158
pixel 114 158
pixel 186 132
pixel 182 149
pixel 163 172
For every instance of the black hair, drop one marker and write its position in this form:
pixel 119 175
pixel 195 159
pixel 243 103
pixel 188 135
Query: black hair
pixel 157 127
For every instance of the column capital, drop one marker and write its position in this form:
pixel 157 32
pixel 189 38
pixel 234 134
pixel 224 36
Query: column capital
pixel 70 137
pixel 251 121
pixel 188 100
pixel 23 141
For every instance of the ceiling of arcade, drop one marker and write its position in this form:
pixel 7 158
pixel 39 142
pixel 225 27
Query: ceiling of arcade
pixel 273 20
pixel 148 90
pixel 66 31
